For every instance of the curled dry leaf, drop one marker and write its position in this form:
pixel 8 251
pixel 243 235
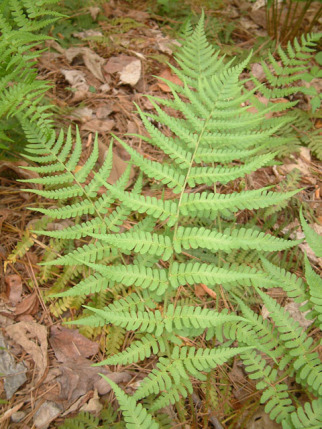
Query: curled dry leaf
pixel 32 337
pixel 13 288
pixel 76 79
pixel 70 344
pixel 28 306
pixel 92 61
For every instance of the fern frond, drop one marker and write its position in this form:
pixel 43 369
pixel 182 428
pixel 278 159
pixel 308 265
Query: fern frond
pixel 134 414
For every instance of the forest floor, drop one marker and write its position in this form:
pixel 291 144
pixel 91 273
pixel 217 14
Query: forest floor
pixel 104 59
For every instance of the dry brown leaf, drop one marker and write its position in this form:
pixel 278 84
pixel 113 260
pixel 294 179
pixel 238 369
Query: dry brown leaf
pixel 103 112
pixel 29 306
pixel 10 412
pixel 76 79
pixel 119 165
pixel 70 344
pixel 46 413
pixel 117 64
pixel 88 33
pixel 166 74
pixel 131 73
pixel 99 126
pixel 94 11
pixel 13 288
pixel 92 61
pixel 79 376
pixel 32 337
pixel 93 405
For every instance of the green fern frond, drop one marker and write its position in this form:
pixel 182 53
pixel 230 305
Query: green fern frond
pixel 134 414
pixel 294 66
pixel 314 240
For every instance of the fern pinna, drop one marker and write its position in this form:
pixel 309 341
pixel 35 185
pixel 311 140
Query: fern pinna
pixel 141 272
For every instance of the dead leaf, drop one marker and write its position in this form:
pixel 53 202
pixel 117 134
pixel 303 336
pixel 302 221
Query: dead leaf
pixel 130 75
pixel 138 15
pixel 98 125
pixel 92 61
pixel 94 11
pixel 88 33
pixel 32 337
pixel 10 412
pixel 258 71
pixel 76 79
pixel 305 154
pixel 14 375
pixel 83 114
pixel 93 406
pixel 13 288
pixel 119 165
pixel 294 309
pixel 167 74
pixel 46 413
pixel 29 306
pixel 79 376
pixel 103 112
pixel 70 344
pixel 117 64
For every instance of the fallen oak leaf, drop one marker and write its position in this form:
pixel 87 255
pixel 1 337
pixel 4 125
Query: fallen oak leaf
pixel 13 288
pixel 22 333
pixel 28 305
pixel 70 344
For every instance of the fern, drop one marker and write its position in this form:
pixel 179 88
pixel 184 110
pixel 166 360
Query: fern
pixel 134 414
pixel 20 26
pixel 294 62
pixel 141 251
